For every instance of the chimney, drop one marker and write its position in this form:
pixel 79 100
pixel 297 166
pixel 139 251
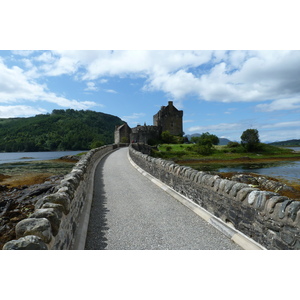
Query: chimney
pixel 170 103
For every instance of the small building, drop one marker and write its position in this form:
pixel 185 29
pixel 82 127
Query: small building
pixel 122 134
pixel 168 118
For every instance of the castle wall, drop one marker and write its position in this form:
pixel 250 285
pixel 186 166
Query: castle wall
pixel 142 134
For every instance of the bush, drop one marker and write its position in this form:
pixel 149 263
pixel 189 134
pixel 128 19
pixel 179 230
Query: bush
pixel 233 144
pixel 204 149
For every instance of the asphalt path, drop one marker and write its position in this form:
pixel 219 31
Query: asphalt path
pixel 129 212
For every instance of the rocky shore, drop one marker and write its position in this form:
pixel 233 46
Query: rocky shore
pixel 264 183
pixel 17 203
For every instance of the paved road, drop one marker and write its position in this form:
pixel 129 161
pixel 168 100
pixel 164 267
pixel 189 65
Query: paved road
pixel 130 212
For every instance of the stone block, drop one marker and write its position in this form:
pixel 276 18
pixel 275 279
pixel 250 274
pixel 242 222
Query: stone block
pixel 293 209
pixel 228 186
pixel 243 193
pixel 222 184
pixel 29 242
pixel 217 184
pixel 260 200
pixel 283 206
pixel 51 215
pixel 273 201
pixel 40 227
pixel 236 188
pixel 58 198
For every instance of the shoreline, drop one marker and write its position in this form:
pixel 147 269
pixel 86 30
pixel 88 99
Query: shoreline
pixel 241 160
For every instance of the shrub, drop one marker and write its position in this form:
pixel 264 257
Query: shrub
pixel 233 144
pixel 204 149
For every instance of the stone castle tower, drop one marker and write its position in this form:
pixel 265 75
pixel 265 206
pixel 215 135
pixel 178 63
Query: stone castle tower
pixel 169 118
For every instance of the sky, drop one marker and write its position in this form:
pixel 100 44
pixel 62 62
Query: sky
pixel 221 92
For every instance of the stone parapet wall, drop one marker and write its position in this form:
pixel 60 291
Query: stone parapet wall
pixel 268 218
pixel 58 220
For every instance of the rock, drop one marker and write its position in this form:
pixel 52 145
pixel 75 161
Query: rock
pixel 40 227
pixel 29 242
pixel 58 198
pixel 245 178
pixel 51 215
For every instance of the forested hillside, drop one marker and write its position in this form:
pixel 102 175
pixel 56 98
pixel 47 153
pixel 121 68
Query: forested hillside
pixel 287 143
pixel 61 130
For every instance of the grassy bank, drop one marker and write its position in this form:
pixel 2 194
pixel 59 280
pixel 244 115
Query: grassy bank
pixel 188 152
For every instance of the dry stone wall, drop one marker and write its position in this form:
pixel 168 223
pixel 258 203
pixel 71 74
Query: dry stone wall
pixel 268 218
pixel 57 221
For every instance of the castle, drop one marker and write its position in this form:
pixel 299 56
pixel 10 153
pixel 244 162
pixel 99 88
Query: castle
pixel 168 118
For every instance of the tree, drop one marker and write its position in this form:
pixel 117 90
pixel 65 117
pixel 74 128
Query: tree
pixel 206 139
pixel 250 139
pixel 205 142
pixel 167 137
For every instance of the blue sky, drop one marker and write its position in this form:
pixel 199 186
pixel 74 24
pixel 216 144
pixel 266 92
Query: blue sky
pixel 221 92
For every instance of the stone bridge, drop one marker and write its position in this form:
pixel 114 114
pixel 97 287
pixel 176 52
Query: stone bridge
pixel 105 202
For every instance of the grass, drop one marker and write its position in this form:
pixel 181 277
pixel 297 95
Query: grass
pixel 187 152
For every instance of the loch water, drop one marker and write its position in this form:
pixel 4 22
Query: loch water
pixel 14 157
pixel 286 170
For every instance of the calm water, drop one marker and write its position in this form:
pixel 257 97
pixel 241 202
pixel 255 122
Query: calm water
pixel 13 157
pixel 287 170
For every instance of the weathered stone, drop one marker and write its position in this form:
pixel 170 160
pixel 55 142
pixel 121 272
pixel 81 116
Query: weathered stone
pixel 216 184
pixel 243 193
pixel 244 178
pixel 283 207
pixel 228 186
pixel 272 203
pixel 58 198
pixel 262 197
pixel 40 227
pixel 51 215
pixel 57 207
pixel 29 242
pixel 293 209
pixel 236 188
pixel 253 196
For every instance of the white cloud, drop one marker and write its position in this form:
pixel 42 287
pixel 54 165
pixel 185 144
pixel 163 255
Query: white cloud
pixel 216 127
pixel 17 86
pixel 281 125
pixel 111 91
pixel 134 116
pixel 23 52
pixel 279 105
pixel 19 111
pixel 227 76
pixel 91 86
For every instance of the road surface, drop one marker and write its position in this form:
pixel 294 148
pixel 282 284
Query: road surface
pixel 130 212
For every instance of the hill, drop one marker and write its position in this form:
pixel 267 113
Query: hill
pixel 61 130
pixel 292 143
